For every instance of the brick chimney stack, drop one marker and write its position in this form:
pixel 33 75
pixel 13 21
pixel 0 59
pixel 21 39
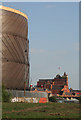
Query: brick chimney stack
pixel 66 76
pixel 67 80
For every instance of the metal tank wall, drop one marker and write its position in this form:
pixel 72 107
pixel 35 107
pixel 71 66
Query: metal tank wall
pixel 15 48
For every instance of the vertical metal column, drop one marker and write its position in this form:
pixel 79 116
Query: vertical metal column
pixel 25 76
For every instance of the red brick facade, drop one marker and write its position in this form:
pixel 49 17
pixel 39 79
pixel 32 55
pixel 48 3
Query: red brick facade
pixel 56 85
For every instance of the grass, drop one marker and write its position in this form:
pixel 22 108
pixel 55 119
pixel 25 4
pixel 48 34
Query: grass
pixel 40 110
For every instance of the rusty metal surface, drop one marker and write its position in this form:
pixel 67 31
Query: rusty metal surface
pixel 14 43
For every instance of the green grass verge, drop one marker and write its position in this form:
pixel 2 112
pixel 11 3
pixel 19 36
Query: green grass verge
pixel 40 110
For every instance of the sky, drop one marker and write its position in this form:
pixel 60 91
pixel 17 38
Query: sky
pixel 53 33
pixel 40 0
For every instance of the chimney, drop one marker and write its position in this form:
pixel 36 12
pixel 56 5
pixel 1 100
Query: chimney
pixel 65 74
pixel 67 80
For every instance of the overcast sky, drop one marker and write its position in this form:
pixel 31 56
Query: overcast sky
pixel 53 32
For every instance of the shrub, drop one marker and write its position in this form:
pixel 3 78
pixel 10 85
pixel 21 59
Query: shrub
pixel 79 98
pixel 60 96
pixel 52 99
pixel 6 97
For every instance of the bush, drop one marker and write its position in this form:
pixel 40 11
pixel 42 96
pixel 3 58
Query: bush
pixel 6 97
pixel 52 99
pixel 79 98
pixel 60 97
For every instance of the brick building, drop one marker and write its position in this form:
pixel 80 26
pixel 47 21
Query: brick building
pixel 57 85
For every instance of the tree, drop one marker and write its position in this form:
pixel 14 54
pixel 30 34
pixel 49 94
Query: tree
pixel 52 99
pixel 79 98
pixel 6 97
